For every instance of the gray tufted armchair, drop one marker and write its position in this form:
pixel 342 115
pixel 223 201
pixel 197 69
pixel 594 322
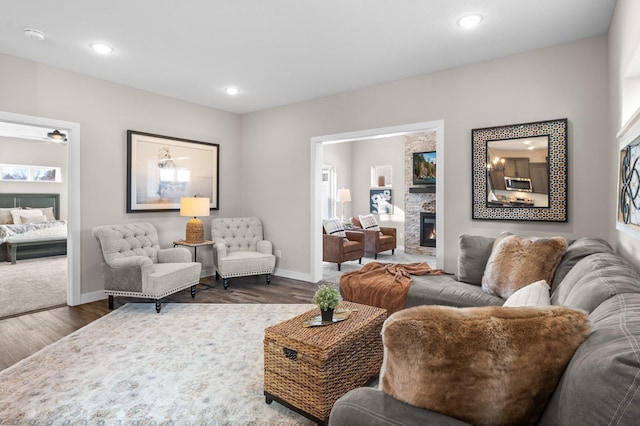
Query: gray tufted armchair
pixel 240 249
pixel 134 265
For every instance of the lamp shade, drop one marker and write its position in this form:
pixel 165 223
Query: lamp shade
pixel 194 206
pixel 344 195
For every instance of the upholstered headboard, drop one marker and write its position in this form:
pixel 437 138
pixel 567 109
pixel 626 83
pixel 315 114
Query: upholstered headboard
pixel 31 200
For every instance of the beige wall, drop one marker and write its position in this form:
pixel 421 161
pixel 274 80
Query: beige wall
pixel 105 111
pixel 624 43
pixel 569 81
pixel 379 152
pixel 339 156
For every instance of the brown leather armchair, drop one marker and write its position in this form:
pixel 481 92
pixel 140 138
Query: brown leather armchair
pixel 376 242
pixel 339 249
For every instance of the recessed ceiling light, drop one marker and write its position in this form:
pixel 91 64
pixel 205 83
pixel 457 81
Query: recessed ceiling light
pixel 527 142
pixel 470 21
pixel 232 91
pixel 102 49
pixel 34 34
pixel 530 148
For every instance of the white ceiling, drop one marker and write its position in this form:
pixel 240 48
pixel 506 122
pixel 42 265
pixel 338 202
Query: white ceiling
pixel 283 51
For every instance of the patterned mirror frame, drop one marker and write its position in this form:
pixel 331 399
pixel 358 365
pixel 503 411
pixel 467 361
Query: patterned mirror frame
pixel 556 130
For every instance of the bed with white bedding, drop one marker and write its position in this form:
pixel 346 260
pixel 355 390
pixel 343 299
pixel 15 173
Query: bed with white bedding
pixel 38 225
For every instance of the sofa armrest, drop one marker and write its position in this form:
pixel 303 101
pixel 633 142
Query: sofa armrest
pixel 332 243
pixel 128 262
pixel 388 231
pixel 174 255
pixel 372 407
pixel 265 247
pixel 221 251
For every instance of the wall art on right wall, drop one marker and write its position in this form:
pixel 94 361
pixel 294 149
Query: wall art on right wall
pixel 629 178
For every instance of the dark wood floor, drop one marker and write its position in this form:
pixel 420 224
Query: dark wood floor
pixel 26 334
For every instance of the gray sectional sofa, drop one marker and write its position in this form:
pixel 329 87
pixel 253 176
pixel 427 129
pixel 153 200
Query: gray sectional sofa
pixel 601 384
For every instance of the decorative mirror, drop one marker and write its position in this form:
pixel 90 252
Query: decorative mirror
pixel 520 171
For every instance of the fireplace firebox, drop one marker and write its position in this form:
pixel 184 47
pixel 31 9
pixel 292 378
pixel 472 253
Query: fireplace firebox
pixel 427 229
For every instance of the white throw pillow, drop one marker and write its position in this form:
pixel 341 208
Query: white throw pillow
pixel 534 294
pixel 369 222
pixel 6 218
pixel 33 219
pixel 334 227
pixel 46 211
pixel 19 214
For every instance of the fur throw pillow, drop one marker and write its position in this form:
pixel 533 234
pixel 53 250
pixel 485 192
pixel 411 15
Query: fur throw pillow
pixel 485 366
pixel 517 261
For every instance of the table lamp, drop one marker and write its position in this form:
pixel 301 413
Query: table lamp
pixel 344 196
pixel 194 206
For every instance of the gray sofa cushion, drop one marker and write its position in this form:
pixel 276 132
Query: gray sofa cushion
pixel 371 407
pixel 445 290
pixel 472 259
pixel 595 279
pixel 601 384
pixel 577 251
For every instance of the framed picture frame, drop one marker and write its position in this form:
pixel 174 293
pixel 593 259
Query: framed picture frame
pixel 380 201
pixel 162 169
pixel 628 220
pixel 534 183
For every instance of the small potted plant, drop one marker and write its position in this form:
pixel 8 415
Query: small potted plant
pixel 327 297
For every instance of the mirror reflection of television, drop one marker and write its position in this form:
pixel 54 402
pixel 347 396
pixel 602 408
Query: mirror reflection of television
pixel 424 168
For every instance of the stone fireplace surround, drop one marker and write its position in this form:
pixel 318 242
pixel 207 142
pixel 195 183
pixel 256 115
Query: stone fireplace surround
pixel 415 203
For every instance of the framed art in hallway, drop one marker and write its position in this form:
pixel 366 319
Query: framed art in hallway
pixel 162 169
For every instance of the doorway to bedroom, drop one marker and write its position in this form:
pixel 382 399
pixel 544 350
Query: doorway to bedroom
pixel 36 169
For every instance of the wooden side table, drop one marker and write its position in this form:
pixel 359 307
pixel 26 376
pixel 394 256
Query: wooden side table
pixel 195 250
pixel 194 245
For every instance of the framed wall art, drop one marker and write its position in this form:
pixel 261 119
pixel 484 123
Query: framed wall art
pixel 380 201
pixel 162 169
pixel 628 220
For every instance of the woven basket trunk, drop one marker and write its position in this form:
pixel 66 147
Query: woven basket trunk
pixel 310 368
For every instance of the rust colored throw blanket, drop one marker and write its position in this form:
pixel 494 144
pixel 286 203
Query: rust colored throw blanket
pixel 384 285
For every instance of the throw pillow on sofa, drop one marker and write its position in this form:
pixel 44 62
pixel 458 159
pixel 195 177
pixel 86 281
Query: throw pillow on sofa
pixel 369 222
pixel 472 259
pixel 519 261
pixel 485 366
pixel 535 294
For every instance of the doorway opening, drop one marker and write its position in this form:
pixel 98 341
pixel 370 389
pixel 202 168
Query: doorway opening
pixel 316 181
pixel 72 130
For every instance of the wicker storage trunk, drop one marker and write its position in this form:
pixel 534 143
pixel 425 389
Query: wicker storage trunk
pixel 308 369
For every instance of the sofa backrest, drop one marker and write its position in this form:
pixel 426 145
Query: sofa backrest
pixel 601 384
pixel 134 239
pixel 237 233
pixel 578 250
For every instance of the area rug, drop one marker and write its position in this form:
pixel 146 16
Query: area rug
pixel 32 285
pixel 192 364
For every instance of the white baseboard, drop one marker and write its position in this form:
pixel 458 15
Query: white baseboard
pixel 92 297
pixel 99 295
pixel 292 274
